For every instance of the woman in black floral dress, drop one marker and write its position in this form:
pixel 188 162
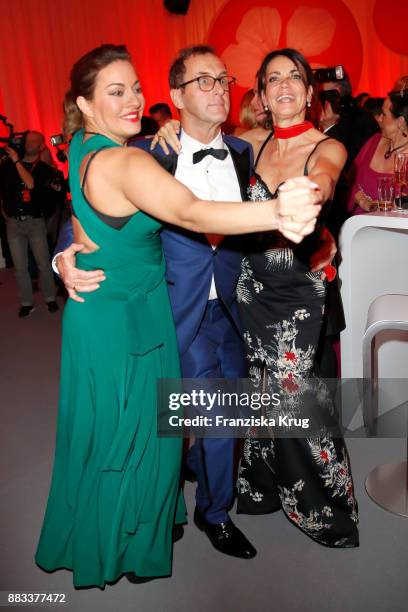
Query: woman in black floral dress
pixel 281 304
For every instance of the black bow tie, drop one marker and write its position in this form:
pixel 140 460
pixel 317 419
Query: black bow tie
pixel 217 153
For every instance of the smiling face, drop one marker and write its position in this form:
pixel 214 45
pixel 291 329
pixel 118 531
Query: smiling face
pixel 285 91
pixel 202 108
pixel 116 107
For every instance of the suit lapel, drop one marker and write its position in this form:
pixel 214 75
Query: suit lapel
pixel 168 162
pixel 242 164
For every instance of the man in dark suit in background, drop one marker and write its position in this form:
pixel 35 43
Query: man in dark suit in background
pixel 342 118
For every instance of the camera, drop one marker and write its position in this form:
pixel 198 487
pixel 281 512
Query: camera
pixel 341 103
pixel 57 140
pixel 325 75
pixel 15 140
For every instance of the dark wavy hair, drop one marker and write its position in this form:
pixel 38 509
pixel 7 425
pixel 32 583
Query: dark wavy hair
pixel 304 68
pixel 83 78
pixel 399 104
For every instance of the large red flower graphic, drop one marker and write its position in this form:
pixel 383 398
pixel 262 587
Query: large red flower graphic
pixel 243 34
pixel 260 31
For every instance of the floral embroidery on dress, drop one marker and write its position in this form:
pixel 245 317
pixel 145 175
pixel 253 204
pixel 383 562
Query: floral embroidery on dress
pixel 254 450
pixel 281 316
pixel 314 522
pixel 335 472
pixel 279 259
pixel 244 293
pixel 318 283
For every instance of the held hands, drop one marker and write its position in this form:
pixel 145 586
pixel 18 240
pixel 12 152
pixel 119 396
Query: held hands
pixel 167 135
pixel 298 206
pixel 74 279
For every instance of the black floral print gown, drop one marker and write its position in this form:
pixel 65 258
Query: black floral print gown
pixel 281 306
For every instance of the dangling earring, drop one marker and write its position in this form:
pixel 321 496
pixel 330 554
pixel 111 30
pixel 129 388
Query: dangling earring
pixel 266 108
pixel 308 104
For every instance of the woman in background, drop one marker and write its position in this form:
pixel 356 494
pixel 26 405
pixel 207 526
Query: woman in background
pixel 376 158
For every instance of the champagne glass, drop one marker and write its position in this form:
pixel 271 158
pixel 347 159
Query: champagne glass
pixel 401 177
pixel 386 191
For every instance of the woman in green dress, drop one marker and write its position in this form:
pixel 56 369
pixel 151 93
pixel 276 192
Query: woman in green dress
pixel 114 494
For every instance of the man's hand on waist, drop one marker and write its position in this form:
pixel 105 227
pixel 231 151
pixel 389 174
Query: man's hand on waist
pixel 74 279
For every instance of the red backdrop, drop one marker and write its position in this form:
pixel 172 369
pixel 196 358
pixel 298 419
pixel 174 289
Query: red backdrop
pixel 40 39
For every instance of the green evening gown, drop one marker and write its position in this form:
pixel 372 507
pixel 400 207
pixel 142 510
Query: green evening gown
pixel 114 493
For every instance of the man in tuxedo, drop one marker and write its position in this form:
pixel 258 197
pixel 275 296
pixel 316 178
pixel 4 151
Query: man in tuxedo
pixel 202 273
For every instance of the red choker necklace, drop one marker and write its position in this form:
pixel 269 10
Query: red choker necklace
pixel 292 131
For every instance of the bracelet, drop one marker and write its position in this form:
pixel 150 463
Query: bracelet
pixel 16 162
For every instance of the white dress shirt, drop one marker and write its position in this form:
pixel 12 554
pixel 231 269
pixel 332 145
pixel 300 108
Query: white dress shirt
pixel 209 179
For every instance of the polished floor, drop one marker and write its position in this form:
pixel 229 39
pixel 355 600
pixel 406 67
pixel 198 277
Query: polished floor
pixel 290 572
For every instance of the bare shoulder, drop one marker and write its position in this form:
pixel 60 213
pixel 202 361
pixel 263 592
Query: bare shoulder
pixel 113 168
pixel 113 160
pixel 330 147
pixel 256 137
pixel 332 144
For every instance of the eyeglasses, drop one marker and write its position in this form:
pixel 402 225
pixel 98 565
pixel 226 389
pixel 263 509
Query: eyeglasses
pixel 207 82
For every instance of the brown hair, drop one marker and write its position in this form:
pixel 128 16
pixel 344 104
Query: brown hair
pixel 178 66
pixel 247 117
pixel 83 76
pixel 401 83
pixel 399 106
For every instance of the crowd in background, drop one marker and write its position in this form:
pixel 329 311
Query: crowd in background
pixel 268 306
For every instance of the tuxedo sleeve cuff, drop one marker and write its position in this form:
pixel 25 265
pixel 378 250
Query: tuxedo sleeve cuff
pixel 54 263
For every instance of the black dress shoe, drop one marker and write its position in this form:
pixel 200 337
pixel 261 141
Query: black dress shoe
pixel 25 311
pixel 137 579
pixel 52 306
pixel 178 532
pixel 226 537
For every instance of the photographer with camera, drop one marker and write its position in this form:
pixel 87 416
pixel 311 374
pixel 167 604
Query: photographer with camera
pixel 340 117
pixel 24 185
